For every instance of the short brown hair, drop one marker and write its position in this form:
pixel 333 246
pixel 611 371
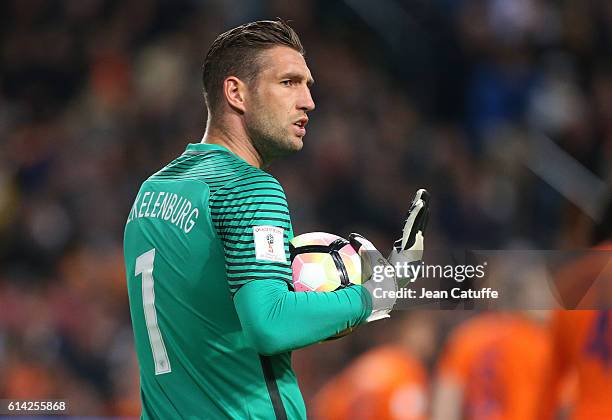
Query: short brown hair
pixel 235 53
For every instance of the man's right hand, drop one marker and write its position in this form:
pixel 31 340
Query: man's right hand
pixel 377 276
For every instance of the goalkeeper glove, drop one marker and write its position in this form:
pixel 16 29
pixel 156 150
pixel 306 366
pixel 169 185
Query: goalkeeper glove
pixel 409 248
pixel 377 276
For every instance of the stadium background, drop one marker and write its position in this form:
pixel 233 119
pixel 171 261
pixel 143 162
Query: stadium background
pixel 95 95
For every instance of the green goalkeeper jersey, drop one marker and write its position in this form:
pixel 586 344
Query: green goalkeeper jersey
pixel 209 284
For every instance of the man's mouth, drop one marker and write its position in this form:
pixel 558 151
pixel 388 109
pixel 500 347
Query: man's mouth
pixel 301 124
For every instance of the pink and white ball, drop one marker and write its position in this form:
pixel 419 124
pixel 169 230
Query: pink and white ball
pixel 323 262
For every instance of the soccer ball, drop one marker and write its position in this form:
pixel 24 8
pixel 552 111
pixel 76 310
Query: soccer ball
pixel 322 262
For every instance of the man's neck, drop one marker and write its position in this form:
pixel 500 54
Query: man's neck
pixel 234 142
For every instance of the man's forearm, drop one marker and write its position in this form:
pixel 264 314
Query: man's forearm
pixel 276 320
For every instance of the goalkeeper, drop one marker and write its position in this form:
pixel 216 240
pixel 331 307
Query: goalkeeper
pixel 206 247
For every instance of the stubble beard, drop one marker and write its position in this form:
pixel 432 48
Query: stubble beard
pixel 270 139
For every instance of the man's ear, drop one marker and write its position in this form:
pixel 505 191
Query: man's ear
pixel 235 91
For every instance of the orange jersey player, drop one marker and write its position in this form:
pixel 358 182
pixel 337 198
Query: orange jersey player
pixel 583 338
pixel 387 383
pixel 492 368
pixel 583 345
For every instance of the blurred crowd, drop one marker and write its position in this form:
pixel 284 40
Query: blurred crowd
pixel 95 95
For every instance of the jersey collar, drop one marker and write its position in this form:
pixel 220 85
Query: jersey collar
pixel 209 147
pixel 205 147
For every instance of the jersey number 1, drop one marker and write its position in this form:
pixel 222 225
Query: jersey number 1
pixel 144 266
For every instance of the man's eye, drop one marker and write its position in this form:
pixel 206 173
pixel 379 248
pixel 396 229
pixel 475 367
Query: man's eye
pixel 286 82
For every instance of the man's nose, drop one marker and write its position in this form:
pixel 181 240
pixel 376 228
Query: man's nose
pixel 306 103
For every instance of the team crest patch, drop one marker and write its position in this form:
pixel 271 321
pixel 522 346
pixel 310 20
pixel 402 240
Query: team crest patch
pixel 269 243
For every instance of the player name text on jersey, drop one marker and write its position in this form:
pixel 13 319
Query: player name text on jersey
pixel 166 206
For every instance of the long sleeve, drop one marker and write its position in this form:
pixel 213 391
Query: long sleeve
pixel 276 320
